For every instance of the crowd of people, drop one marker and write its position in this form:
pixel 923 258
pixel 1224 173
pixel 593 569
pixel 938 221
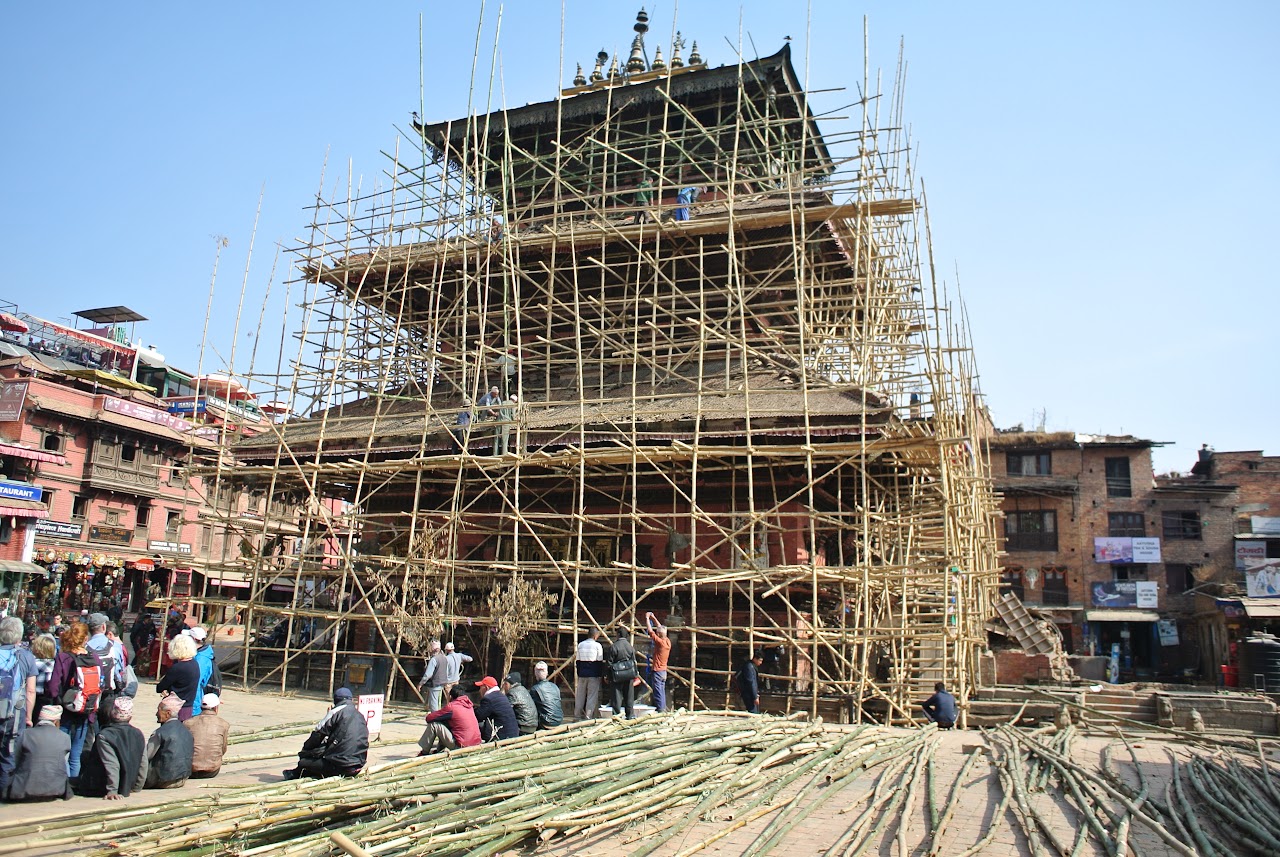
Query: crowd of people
pixel 67 711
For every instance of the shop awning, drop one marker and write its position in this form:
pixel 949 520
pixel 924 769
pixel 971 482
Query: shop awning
pixel 33 454
pixel 234 579
pixel 108 379
pixel 1261 608
pixel 23 509
pixel 1121 616
pixel 10 322
pixel 145 563
pixel 12 566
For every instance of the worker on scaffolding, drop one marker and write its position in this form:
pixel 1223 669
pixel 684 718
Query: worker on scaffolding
pixel 462 424
pixel 506 418
pixel 685 199
pixel 642 199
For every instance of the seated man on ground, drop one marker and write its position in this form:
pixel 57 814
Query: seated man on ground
pixel 546 697
pixel 451 727
pixel 170 748
pixel 210 733
pixel 40 771
pixel 117 765
pixel 338 746
pixel 495 715
pixel 521 703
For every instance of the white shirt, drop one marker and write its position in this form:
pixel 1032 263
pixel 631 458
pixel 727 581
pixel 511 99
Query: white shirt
pixel 453 669
pixel 590 650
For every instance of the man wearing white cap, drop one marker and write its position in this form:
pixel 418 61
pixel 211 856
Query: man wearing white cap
pixel 453 667
pixel 41 772
pixel 210 732
pixel 546 698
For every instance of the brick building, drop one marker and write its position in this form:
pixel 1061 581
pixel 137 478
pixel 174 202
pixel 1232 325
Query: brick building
pixel 1114 555
pixel 98 508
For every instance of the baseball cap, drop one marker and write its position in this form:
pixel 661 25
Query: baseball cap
pixel 341 694
pixel 514 678
pixel 199 632
pixel 448 647
pixel 210 700
pixel 487 683
pixel 97 619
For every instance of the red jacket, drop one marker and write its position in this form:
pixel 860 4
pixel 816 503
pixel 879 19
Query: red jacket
pixel 460 716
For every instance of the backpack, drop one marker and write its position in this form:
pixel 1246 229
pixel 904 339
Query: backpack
pixel 82 696
pixel 12 689
pixel 107 659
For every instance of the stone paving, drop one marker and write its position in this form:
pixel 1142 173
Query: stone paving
pixel 979 797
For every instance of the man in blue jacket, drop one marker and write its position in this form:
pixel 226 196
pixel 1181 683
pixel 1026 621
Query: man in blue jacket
pixel 749 683
pixel 941 707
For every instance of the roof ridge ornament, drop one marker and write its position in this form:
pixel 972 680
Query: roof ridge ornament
pixel 677 44
pixel 658 64
pixel 579 79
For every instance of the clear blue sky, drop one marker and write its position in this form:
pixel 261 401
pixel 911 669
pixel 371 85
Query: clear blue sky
pixel 1103 176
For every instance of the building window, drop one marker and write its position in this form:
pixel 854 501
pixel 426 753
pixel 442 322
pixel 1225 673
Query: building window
pixel 128 452
pixel 1055 586
pixel 1183 526
pixel 1121 524
pixel 144 516
pixel 1028 463
pixel 1031 531
pixel 171 522
pixel 1011 581
pixel 1179 578
pixel 79 506
pixel 1118 481
pixel 6 531
pixel 1122 572
pixel 53 442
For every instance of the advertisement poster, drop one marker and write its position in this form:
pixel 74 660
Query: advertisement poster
pixel 1250 554
pixel 1168 631
pixel 1112 549
pixel 1125 593
pixel 1263 580
pixel 371 708
pixel 1126 549
pixel 12 396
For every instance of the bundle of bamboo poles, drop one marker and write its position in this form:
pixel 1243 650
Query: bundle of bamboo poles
pixel 668 771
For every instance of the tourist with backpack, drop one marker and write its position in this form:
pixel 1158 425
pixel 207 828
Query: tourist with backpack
pixel 76 682
pixel 110 656
pixel 17 694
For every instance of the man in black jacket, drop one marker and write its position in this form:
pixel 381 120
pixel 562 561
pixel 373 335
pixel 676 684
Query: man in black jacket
pixel 170 748
pixel 546 696
pixel 494 713
pixel 338 746
pixel 117 765
pixel 621 657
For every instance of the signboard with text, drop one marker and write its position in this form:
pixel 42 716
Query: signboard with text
pixel 20 491
pixel 1250 553
pixel 110 535
pixel 1146 550
pixel 371 707
pixel 12 396
pixel 1125 593
pixel 169 547
pixel 59 529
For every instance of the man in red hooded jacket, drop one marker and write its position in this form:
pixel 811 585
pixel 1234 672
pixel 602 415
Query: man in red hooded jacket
pixel 451 727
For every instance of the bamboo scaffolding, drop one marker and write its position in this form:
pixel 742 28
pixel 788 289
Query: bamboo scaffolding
pixel 771 396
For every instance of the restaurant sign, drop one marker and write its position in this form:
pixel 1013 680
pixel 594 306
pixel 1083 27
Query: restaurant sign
pixel 59 529
pixel 20 491
pixel 110 535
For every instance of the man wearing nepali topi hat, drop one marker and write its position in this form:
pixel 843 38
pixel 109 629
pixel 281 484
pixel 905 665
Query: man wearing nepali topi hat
pixel 170 748
pixel 41 760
